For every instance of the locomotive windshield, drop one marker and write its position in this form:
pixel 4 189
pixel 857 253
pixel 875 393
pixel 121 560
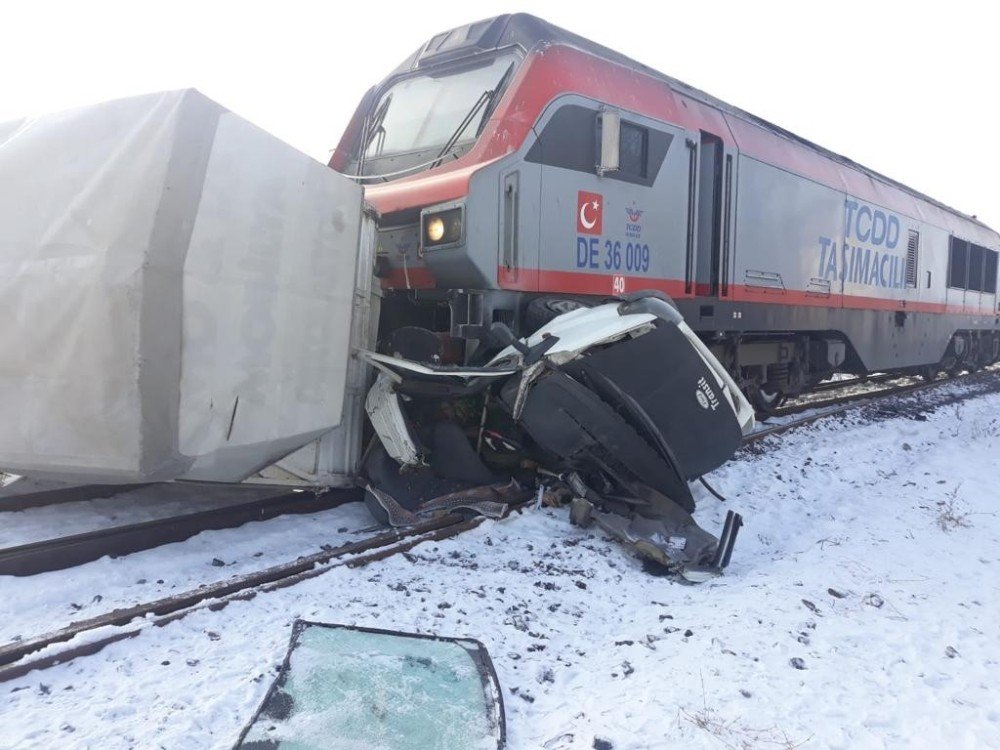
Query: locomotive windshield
pixel 432 115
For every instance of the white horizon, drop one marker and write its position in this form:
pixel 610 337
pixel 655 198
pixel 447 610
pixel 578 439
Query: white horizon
pixel 901 89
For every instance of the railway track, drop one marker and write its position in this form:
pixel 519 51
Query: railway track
pixel 86 637
pixel 65 552
pixel 848 398
pixel 89 636
pixel 834 385
pixel 984 381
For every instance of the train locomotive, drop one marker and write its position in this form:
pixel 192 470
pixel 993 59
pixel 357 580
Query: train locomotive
pixel 521 171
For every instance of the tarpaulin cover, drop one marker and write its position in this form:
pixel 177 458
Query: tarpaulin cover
pixel 175 293
pixel 343 688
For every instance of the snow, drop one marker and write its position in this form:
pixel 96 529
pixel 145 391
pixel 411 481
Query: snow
pixel 40 603
pixel 124 508
pixel 871 386
pixel 870 559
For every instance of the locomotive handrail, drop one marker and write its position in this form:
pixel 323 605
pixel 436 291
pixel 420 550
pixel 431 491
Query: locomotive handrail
pixel 819 287
pixel 692 213
pixel 771 279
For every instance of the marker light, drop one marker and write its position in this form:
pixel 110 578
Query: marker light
pixel 443 227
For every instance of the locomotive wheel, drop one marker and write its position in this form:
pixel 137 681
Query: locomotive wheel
pixel 766 400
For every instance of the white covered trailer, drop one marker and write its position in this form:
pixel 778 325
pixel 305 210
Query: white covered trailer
pixel 180 294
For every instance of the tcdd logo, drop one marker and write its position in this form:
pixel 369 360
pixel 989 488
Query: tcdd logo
pixel 633 222
pixel 589 212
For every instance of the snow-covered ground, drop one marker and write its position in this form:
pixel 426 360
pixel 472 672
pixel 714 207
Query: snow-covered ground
pixel 860 611
pixel 113 508
pixel 41 603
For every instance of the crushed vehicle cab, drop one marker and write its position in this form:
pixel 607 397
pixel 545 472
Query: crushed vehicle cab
pixel 617 406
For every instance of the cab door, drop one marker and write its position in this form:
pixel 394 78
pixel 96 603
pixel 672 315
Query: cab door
pixel 708 215
pixel 608 226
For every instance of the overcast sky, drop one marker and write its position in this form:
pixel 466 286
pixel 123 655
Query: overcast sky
pixel 908 88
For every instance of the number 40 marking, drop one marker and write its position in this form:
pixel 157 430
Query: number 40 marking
pixel 618 285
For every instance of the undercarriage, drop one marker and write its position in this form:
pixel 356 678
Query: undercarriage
pixel 770 366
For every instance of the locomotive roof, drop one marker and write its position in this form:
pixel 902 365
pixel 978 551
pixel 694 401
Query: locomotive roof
pixel 528 31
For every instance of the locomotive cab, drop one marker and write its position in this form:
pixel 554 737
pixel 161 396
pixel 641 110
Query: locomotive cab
pixel 416 142
pixel 489 162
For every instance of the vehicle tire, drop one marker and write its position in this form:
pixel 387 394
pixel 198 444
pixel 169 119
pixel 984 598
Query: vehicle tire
pixel 543 310
pixel 766 401
pixel 376 509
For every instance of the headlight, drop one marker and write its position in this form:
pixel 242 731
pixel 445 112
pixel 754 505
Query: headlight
pixel 435 229
pixel 442 227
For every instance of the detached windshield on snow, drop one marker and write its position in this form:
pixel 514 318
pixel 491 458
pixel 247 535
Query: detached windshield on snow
pixel 424 112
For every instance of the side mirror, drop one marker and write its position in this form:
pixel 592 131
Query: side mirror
pixel 610 125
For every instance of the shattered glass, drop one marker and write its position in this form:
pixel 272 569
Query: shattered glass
pixel 355 689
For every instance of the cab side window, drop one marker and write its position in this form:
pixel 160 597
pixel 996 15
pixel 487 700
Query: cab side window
pixel 633 149
pixel 972 267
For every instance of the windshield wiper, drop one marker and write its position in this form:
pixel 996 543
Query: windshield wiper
pixel 485 102
pixel 494 98
pixel 373 129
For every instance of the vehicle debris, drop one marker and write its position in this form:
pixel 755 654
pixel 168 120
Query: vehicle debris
pixel 343 687
pixel 563 414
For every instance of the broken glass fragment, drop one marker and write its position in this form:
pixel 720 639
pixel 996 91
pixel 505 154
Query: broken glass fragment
pixel 343 688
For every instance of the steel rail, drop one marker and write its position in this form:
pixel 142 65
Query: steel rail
pixel 65 552
pixel 989 378
pixel 848 398
pixel 859 380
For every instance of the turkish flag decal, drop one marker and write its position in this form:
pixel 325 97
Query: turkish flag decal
pixel 589 212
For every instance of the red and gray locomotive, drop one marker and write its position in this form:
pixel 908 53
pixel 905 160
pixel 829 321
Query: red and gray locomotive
pixel 521 171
